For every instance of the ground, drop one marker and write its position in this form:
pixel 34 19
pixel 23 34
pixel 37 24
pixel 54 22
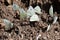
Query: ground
pixel 26 32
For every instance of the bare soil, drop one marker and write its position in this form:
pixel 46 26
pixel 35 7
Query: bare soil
pixel 26 32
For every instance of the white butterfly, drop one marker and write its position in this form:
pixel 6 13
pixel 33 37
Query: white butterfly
pixel 23 13
pixel 15 6
pixel 30 12
pixel 8 24
pixel 34 18
pixel 37 10
pixel 51 11
pixel 55 19
pixel 48 28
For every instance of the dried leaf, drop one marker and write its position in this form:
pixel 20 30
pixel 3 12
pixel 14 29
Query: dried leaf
pixel 9 1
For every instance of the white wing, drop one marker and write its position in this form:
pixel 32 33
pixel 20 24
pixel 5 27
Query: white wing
pixel 51 11
pixel 48 28
pixel 15 7
pixel 55 19
pixel 8 24
pixel 30 11
pixel 37 9
pixel 21 10
pixel 22 13
pixel 34 18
